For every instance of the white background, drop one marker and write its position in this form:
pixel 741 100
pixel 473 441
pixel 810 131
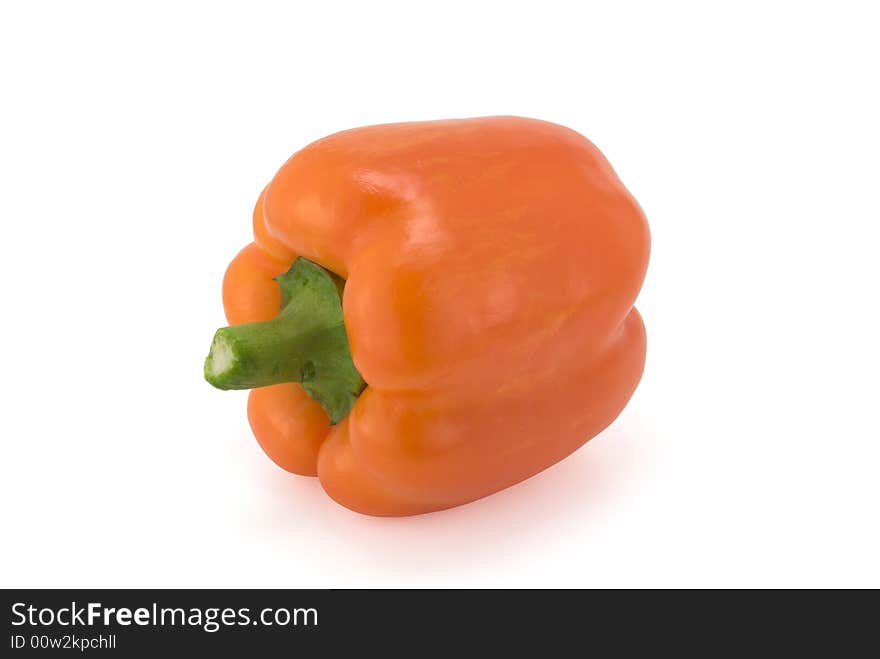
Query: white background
pixel 134 142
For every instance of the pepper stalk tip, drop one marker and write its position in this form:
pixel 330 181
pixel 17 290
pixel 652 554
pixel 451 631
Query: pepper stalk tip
pixel 220 360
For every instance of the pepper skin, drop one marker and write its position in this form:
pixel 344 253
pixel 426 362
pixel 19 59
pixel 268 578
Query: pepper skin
pixel 491 267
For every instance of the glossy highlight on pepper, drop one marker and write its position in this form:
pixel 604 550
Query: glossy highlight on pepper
pixel 455 296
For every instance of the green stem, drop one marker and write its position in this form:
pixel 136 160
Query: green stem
pixel 305 343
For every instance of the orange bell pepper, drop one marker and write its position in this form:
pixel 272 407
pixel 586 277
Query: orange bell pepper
pixel 461 316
